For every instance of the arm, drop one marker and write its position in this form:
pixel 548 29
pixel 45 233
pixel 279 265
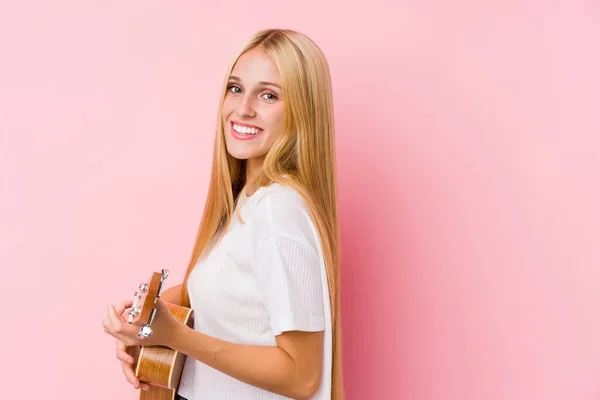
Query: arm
pixel 289 272
pixel 292 368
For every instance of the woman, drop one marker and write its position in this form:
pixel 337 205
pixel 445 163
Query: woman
pixel 263 279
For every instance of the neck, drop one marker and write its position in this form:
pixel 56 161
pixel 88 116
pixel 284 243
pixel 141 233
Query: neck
pixel 253 166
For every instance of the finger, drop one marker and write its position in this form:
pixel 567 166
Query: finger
pixel 130 375
pixel 131 378
pixel 115 322
pixel 122 353
pixel 119 329
pixel 105 320
pixel 163 309
pixel 160 304
pixel 121 346
pixel 108 321
pixel 120 307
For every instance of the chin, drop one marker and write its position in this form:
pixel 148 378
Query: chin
pixel 239 155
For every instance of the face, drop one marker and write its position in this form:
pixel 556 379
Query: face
pixel 253 111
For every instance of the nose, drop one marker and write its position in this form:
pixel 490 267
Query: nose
pixel 245 108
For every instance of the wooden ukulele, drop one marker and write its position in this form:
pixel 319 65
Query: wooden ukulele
pixel 158 366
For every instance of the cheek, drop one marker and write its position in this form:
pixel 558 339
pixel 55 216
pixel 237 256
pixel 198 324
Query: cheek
pixel 227 107
pixel 277 119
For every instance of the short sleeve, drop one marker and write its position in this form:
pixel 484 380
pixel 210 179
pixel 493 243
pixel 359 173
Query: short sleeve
pixel 289 274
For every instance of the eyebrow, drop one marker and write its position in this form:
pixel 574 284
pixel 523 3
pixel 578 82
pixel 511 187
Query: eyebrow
pixel 235 78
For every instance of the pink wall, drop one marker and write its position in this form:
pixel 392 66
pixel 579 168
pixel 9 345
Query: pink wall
pixel 469 191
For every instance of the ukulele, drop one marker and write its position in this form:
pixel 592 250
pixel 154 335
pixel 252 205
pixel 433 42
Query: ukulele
pixel 158 366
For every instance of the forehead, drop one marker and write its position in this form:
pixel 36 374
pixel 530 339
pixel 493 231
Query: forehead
pixel 254 66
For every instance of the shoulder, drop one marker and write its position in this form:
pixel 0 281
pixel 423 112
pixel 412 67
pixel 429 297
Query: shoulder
pixel 280 211
pixel 277 195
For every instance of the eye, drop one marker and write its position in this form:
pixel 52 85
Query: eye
pixel 234 87
pixel 270 96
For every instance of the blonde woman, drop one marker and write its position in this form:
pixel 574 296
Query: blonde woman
pixel 263 278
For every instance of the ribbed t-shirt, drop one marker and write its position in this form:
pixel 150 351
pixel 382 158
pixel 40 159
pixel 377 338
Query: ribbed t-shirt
pixel 266 276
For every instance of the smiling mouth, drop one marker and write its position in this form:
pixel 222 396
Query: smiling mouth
pixel 245 130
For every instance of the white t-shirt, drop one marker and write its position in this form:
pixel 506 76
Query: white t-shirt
pixel 265 277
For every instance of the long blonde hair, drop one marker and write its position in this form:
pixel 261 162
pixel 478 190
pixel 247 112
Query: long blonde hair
pixel 302 157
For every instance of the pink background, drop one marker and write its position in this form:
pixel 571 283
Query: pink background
pixel 469 178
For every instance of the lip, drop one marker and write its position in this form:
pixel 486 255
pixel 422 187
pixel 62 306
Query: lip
pixel 240 136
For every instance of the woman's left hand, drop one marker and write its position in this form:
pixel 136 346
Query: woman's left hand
pixel 162 326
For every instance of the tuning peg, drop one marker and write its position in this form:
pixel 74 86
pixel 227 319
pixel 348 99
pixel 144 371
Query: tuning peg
pixel 145 331
pixel 143 287
pixel 133 313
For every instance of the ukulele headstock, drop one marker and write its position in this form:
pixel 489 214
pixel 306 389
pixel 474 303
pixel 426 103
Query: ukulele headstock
pixel 143 311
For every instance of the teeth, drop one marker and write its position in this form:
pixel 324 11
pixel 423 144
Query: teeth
pixel 245 130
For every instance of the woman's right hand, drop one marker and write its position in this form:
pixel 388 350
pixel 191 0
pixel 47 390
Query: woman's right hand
pixel 127 366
